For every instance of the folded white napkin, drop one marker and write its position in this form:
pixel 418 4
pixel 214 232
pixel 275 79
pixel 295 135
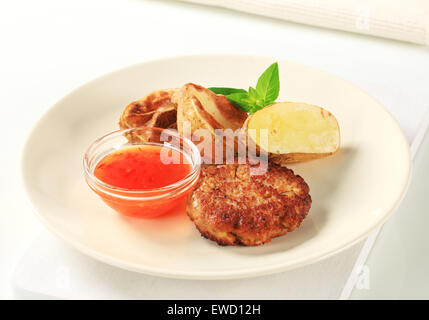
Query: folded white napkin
pixel 399 20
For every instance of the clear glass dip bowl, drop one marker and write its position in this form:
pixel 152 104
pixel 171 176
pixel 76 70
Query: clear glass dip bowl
pixel 147 203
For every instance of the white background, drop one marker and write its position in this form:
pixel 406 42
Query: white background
pixel 48 48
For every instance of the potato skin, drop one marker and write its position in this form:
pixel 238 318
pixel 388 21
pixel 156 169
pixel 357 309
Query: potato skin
pixel 200 108
pixel 284 159
pixel 187 111
pixel 232 207
pixel 193 105
pixel 154 110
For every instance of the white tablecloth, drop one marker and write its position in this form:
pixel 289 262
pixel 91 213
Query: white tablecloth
pixel 50 47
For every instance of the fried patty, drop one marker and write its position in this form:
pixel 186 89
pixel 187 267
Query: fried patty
pixel 232 207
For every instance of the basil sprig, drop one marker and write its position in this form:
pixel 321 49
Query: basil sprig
pixel 266 91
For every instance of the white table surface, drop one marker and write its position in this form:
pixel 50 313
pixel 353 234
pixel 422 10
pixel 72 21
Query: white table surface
pixel 397 267
pixel 50 47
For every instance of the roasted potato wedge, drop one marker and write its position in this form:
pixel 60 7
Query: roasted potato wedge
pixel 154 110
pixel 205 109
pixel 295 132
pixel 200 108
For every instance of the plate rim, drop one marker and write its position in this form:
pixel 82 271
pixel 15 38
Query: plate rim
pixel 218 275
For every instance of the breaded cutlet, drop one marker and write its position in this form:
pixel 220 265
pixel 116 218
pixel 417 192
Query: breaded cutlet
pixel 232 207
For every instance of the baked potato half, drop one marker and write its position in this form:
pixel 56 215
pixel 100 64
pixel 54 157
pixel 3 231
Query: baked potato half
pixel 294 132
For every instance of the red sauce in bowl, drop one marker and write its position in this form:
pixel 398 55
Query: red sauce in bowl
pixel 139 177
pixel 141 168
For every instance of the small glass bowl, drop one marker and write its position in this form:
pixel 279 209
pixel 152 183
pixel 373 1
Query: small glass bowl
pixel 148 203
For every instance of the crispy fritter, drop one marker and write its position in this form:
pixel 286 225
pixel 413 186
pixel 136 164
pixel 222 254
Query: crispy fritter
pixel 154 110
pixel 232 207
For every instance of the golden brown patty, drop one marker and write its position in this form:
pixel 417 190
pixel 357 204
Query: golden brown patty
pixel 232 207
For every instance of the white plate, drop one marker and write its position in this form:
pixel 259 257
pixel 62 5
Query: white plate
pixel 353 191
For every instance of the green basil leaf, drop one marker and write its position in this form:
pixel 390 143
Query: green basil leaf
pixel 241 100
pixel 253 94
pixel 266 92
pixel 268 86
pixel 257 101
pixel 226 91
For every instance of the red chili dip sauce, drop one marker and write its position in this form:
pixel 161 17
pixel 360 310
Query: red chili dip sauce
pixel 140 169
